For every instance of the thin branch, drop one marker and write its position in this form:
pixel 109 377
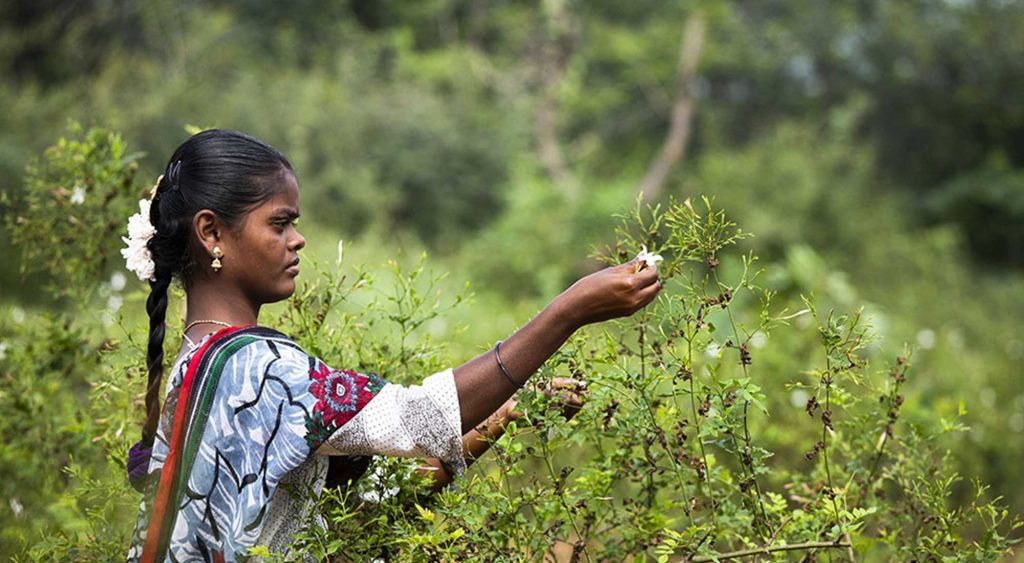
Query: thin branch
pixel 849 547
pixel 767 551
pixel 674 147
pixel 778 530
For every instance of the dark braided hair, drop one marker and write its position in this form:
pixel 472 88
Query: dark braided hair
pixel 225 171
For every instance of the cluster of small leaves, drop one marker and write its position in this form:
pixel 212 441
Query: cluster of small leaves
pixel 73 209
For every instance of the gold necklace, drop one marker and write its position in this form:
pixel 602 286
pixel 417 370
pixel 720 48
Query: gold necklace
pixel 207 322
pixel 184 333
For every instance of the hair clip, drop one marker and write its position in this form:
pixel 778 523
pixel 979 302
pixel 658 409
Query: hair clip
pixel 156 186
pixel 172 174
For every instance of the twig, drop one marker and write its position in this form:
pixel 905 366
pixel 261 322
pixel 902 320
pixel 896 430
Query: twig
pixel 778 530
pixel 849 547
pixel 766 551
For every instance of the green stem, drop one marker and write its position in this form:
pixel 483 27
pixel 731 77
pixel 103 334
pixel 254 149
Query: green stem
pixel 746 429
pixel 700 439
pixel 824 440
pixel 654 420
pixel 514 513
pixel 561 496
pixel 885 439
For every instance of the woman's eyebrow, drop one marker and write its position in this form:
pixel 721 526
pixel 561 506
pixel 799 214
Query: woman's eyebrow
pixel 288 212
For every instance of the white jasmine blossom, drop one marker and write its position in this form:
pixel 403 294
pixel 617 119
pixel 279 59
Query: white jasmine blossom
pixel 798 398
pixel 713 349
pixel 926 339
pixel 3 350
pixel 799 313
pixel 114 303
pixel 650 260
pixel 16 507
pixel 118 281
pixel 18 315
pixel 137 257
pixel 78 195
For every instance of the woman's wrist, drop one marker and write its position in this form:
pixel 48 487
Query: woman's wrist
pixel 564 315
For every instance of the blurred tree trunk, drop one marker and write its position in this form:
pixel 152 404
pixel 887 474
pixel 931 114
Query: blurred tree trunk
pixel 554 54
pixel 674 147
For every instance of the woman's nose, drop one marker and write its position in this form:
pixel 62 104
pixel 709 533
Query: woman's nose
pixel 298 242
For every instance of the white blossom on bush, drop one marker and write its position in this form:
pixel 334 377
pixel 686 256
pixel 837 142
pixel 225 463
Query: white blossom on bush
pixel 78 195
pixel 118 281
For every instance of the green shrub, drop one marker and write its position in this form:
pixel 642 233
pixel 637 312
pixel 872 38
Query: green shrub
pixel 723 421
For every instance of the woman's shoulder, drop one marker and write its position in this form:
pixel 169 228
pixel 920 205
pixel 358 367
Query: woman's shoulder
pixel 253 343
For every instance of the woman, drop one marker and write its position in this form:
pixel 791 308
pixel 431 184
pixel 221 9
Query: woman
pixel 248 411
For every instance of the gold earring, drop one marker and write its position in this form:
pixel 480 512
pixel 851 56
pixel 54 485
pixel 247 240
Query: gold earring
pixel 217 255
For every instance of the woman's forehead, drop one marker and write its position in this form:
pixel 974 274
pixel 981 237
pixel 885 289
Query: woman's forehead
pixel 285 197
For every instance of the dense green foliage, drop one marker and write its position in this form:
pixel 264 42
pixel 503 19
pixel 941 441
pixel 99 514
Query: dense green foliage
pixel 875 148
pixel 712 426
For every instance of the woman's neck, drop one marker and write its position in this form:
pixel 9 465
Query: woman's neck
pixel 208 303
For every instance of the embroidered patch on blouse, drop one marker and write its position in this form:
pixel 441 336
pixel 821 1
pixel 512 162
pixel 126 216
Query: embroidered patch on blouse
pixel 340 394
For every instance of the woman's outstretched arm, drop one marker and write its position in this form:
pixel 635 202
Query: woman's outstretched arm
pixel 617 291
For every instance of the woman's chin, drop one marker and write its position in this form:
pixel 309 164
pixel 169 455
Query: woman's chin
pixel 283 291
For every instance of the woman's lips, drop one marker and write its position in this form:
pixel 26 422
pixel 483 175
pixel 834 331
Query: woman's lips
pixel 294 268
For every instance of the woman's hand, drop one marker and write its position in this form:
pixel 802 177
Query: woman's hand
pixel 569 396
pixel 617 291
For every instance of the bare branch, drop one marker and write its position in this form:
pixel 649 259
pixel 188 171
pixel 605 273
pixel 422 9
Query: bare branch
pixel 767 551
pixel 674 147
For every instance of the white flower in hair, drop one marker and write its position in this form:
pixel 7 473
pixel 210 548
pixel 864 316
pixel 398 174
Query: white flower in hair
pixel 649 260
pixel 137 257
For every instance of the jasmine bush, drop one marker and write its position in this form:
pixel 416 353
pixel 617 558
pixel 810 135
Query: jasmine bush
pixel 726 421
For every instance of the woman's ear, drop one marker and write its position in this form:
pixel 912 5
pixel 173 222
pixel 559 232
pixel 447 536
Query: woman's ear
pixel 207 226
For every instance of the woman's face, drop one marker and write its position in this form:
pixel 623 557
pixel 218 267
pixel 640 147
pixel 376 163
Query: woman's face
pixel 261 251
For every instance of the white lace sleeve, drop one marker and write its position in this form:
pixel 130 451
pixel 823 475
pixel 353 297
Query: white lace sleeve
pixel 415 421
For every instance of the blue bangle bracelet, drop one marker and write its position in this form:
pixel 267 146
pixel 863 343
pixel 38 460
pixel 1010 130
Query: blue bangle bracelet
pixel 504 370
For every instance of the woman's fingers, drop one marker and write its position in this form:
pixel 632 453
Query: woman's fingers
pixel 570 392
pixel 647 276
pixel 567 394
pixel 648 293
pixel 628 267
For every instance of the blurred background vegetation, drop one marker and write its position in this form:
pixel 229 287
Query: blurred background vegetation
pixel 875 149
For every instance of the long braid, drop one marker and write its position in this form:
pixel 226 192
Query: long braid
pixel 156 306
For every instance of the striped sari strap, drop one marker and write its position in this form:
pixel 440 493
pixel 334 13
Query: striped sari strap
pixel 174 474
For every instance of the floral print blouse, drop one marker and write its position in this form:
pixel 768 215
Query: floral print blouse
pixel 248 411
